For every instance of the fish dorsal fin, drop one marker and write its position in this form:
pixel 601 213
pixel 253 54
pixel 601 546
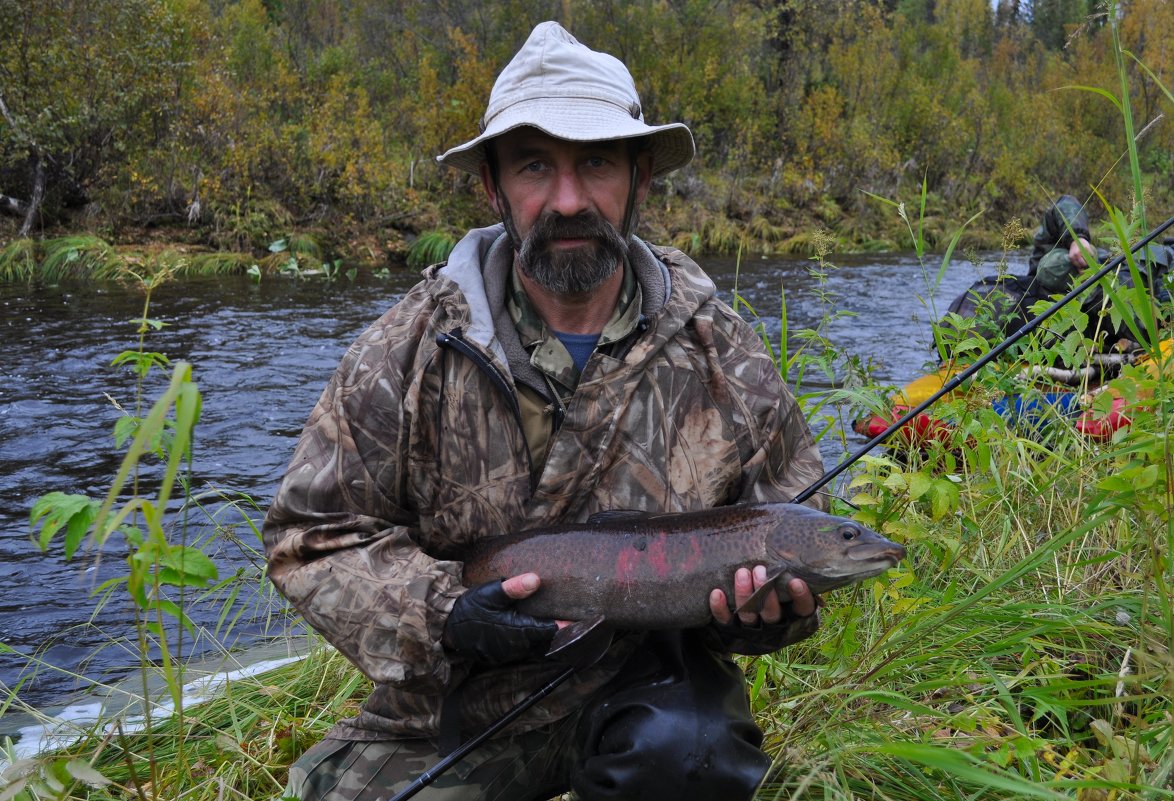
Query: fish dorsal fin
pixel 582 643
pixel 754 602
pixel 616 516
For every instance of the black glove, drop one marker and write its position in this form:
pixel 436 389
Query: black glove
pixel 484 627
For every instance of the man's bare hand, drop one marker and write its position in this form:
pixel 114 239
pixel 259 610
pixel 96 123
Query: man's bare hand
pixel 1076 252
pixel 802 601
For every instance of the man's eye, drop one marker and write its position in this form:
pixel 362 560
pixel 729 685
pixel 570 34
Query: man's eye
pixel 534 166
pixel 596 162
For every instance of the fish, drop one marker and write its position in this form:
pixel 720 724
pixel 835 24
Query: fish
pixel 635 570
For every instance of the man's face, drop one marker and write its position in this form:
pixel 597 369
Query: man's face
pixel 564 202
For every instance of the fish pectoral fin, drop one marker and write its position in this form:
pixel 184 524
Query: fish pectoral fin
pixel 776 578
pixel 582 643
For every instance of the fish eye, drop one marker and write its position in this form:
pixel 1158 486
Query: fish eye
pixel 848 533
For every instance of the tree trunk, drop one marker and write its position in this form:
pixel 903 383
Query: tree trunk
pixel 34 208
pixel 13 207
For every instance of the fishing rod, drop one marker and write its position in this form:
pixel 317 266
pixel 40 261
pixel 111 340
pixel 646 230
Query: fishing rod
pixel 990 356
pixel 432 774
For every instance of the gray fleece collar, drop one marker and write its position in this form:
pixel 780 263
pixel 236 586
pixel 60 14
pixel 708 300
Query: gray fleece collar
pixel 480 265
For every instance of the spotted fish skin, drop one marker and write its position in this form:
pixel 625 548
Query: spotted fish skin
pixel 640 571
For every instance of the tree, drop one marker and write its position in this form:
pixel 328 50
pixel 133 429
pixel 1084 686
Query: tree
pixel 80 84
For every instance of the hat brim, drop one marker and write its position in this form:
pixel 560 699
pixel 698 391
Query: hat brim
pixel 578 120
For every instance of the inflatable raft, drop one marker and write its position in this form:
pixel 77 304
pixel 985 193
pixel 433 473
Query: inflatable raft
pixel 1057 394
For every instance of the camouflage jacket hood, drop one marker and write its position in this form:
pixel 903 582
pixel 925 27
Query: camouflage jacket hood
pixel 415 449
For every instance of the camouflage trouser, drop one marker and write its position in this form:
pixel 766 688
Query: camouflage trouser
pixel 530 767
pixel 676 725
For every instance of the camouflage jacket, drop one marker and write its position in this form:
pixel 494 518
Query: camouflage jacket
pixel 416 449
pixel 1050 244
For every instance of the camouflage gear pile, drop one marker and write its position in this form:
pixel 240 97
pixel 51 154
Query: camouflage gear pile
pixel 417 448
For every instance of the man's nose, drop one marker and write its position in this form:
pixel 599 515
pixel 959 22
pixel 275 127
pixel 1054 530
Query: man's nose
pixel 570 195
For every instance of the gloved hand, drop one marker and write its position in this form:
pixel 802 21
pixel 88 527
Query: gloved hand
pixel 484 627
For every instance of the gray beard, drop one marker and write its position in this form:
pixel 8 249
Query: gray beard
pixel 576 271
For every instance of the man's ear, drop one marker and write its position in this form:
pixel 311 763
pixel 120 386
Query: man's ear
pixel 490 187
pixel 643 174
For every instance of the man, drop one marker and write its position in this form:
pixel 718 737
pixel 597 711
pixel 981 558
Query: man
pixel 1060 247
pixel 555 367
pixel 1061 251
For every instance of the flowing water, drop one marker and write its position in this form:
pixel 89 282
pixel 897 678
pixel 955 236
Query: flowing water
pixel 261 355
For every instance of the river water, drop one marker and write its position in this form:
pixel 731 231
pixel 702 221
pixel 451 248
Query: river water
pixel 261 355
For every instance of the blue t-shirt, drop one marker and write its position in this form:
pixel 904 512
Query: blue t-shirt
pixel 579 346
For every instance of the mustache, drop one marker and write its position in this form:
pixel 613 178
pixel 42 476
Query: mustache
pixel 587 225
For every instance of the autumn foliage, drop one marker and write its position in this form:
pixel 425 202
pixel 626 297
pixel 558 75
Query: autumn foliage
pixel 237 122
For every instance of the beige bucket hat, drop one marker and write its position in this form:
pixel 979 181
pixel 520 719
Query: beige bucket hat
pixel 570 92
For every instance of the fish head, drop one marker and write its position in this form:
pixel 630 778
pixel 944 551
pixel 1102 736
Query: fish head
pixel 827 551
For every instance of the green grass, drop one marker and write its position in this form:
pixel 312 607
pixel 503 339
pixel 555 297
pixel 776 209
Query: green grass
pixel 18 261
pixel 90 258
pixel 430 247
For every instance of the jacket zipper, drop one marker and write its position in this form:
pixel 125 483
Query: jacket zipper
pixel 457 342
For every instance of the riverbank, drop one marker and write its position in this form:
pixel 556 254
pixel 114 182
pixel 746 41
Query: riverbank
pixel 139 705
pixel 270 247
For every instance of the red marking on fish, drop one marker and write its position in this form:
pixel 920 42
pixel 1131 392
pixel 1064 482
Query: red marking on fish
pixel 627 565
pixel 657 557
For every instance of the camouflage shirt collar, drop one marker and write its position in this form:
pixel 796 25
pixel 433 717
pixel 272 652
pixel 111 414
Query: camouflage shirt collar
pixel 547 353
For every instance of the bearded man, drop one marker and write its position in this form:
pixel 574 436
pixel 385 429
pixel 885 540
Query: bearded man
pixel 555 367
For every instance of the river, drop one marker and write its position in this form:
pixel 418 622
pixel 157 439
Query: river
pixel 261 354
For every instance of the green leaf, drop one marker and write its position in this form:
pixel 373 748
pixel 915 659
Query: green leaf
pixel 187 566
pixel 141 361
pixel 919 484
pixel 943 498
pixel 174 610
pixel 125 428
pixel 56 510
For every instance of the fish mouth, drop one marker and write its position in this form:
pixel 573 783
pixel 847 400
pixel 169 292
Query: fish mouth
pixel 872 570
pixel 860 563
pixel 889 553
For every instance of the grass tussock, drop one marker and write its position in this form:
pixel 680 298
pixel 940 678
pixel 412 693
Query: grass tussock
pixel 90 258
pixel 18 261
pixel 73 257
pixel 431 247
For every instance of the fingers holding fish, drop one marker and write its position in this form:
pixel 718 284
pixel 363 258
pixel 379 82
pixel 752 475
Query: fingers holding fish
pixel 519 587
pixel 803 601
pixel 751 609
pixel 754 604
pixel 768 610
pixel 523 586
